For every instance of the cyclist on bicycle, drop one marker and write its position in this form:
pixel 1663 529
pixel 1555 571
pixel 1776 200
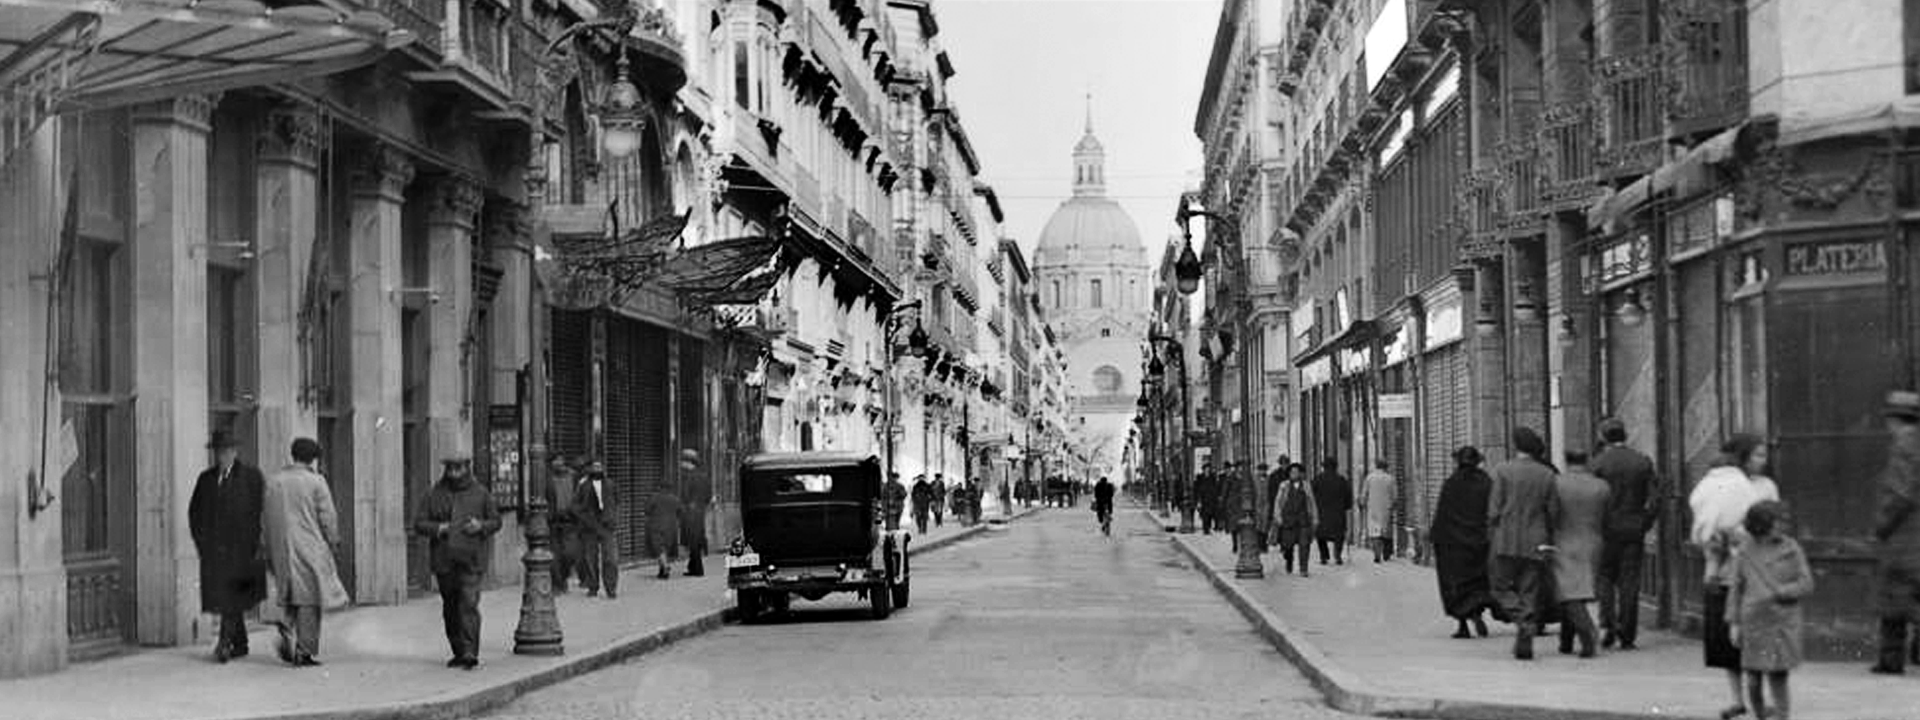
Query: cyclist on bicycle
pixel 1103 500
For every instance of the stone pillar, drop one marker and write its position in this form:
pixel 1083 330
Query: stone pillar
pixel 169 344
pixel 1571 327
pixel 287 192
pixel 33 640
pixel 452 206
pixel 1487 348
pixel 379 182
pixel 1527 338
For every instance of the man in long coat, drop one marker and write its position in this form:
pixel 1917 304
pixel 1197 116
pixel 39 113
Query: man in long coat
pixel 893 501
pixel 566 542
pixel 1633 506
pixel 693 512
pixel 922 499
pixel 1579 515
pixel 1207 487
pixel 301 533
pixel 663 529
pixel 1335 497
pixel 224 517
pixel 1381 492
pixel 1897 530
pixel 593 515
pixel 1520 520
pixel 458 516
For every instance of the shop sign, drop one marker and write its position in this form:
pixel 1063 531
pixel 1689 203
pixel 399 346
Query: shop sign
pixel 1396 351
pixel 1701 227
pixel 1443 325
pixel 503 448
pixel 1836 258
pixel 1395 405
pixel 1318 372
pixel 1353 362
pixel 1626 258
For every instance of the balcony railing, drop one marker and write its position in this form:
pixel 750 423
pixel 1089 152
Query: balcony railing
pixel 1632 97
pixel 1567 145
pixel 1709 38
pixel 423 18
pixel 1520 173
pixel 483 35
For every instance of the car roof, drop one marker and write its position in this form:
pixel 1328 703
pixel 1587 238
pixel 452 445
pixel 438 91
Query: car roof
pixel 807 460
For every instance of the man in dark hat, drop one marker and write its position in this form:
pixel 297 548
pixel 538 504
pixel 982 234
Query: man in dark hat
pixel 458 516
pixel 1897 528
pixel 224 517
pixel 593 514
pixel 693 515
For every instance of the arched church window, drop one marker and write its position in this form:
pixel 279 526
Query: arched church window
pixel 1107 380
pixel 1095 291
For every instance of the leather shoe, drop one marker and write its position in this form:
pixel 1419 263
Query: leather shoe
pixel 456 662
pixel 1608 639
pixel 1879 669
pixel 237 652
pixel 221 655
pixel 305 661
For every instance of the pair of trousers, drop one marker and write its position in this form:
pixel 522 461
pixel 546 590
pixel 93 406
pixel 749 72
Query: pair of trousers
pixel 1336 549
pixel 233 631
pixel 1382 547
pixel 1287 551
pixel 1516 587
pixel 460 610
pixel 1618 583
pixel 301 630
pixel 566 547
pixel 599 561
pixel 920 522
pixel 1576 623
pixel 1899 601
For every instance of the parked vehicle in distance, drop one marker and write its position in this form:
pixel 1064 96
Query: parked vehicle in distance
pixel 812 525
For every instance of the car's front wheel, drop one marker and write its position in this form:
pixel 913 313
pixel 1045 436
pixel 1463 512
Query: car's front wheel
pixel 882 602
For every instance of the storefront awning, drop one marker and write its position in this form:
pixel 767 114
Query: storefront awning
pixel 63 55
pixel 1359 332
pixel 1688 174
pixel 729 272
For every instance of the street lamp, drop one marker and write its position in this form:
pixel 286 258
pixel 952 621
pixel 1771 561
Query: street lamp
pixel 620 118
pixel 1186 270
pixel 915 346
pixel 1156 373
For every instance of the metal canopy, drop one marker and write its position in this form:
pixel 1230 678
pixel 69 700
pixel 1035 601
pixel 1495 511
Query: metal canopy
pixel 64 55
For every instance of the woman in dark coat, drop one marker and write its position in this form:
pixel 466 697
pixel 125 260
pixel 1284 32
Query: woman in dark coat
pixel 1460 542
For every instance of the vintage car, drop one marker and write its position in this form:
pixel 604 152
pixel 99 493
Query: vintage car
pixel 812 525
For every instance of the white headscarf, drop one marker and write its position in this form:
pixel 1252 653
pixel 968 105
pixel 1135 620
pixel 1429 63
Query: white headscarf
pixel 1720 502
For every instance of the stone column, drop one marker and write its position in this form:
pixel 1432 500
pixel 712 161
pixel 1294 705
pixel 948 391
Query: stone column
pixel 169 347
pixel 1570 309
pixel 32 574
pixel 380 179
pixel 452 206
pixel 1488 356
pixel 1527 338
pixel 287 192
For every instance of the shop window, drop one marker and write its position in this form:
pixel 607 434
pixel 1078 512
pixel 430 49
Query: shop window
pixel 227 324
pixel 1746 359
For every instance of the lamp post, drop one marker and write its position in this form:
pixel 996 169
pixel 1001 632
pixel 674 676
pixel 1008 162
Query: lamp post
pixel 1156 373
pixel 1245 530
pixel 915 346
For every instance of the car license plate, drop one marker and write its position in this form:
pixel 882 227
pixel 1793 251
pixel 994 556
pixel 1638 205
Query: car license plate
pixel 743 561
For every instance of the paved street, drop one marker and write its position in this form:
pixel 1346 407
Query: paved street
pixel 1044 618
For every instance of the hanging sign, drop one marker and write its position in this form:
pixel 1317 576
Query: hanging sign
pixel 503 448
pixel 1443 324
pixel 1836 258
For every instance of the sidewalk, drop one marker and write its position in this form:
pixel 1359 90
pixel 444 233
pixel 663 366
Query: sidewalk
pixel 1374 640
pixel 389 661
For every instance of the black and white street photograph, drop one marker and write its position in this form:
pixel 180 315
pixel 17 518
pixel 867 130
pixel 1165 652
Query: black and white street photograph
pixel 929 359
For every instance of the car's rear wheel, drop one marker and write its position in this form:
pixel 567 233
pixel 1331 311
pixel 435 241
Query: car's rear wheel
pixel 882 601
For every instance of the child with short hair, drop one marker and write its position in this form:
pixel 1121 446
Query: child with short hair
pixel 1771 576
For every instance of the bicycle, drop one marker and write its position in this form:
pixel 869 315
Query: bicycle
pixel 1106 521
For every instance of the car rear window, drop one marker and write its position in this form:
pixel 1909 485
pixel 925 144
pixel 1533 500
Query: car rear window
pixel 803 484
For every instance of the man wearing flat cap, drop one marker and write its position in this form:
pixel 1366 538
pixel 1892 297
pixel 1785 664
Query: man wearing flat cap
pixel 224 517
pixel 1897 528
pixel 458 517
pixel 593 515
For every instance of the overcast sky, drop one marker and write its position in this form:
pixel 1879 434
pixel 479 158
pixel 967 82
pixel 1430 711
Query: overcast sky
pixel 1023 71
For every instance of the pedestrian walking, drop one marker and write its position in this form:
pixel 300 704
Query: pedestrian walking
pixel 224 518
pixel 893 501
pixel 301 534
pixel 561 480
pixel 1633 506
pixel 1335 495
pixel 458 517
pixel 1207 487
pixel 957 503
pixel 939 499
pixel 1771 579
pixel 663 529
pixel 1460 543
pixel 975 492
pixel 1720 502
pixel 1295 514
pixel 693 515
pixel 1896 530
pixel 1378 504
pixel 594 513
pixel 922 498
pixel 1579 516
pixel 1520 520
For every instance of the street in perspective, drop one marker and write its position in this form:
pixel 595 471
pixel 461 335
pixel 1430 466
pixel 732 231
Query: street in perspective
pixel 1461 359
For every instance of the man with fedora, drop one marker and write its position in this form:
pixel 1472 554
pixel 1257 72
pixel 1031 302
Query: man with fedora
pixel 593 515
pixel 224 518
pixel 458 517
pixel 1897 528
pixel 693 516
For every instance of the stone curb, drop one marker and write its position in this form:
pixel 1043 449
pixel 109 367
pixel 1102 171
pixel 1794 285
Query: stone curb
pixel 1348 693
pixel 463 704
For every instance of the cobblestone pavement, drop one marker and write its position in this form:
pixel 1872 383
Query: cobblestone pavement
pixel 1041 619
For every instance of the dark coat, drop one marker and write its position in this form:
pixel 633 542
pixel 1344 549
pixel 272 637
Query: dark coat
pixel 595 516
pixel 1460 515
pixel 921 496
pixel 693 515
pixel 225 522
pixel 1207 488
pixel 663 521
pixel 1634 502
pixel 453 505
pixel 1334 496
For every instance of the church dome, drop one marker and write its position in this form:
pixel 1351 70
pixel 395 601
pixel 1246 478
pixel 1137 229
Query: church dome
pixel 1084 224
